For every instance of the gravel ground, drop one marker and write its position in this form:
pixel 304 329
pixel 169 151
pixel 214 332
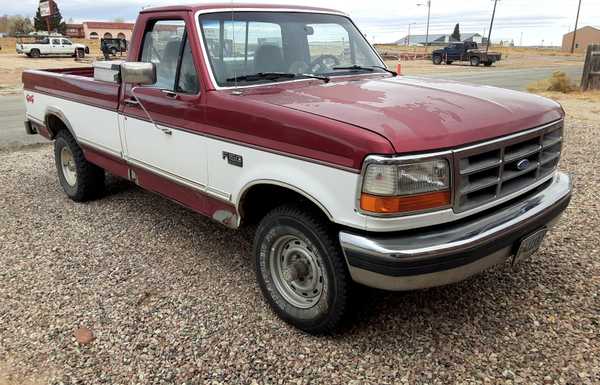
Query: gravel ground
pixel 171 298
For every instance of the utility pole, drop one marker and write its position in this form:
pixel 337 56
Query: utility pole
pixel 428 4
pixel 491 25
pixel 575 30
pixel 408 36
pixel 521 41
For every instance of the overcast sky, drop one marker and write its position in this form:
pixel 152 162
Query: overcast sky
pixel 387 20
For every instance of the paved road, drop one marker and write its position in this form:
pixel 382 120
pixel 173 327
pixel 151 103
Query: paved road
pixel 12 109
pixel 515 79
pixel 12 131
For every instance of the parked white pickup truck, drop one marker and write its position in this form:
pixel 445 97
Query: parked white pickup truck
pixel 51 46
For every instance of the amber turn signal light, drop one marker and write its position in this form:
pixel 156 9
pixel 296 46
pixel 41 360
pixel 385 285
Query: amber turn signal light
pixel 400 204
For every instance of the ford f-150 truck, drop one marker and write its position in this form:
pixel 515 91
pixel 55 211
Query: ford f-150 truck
pixel 286 117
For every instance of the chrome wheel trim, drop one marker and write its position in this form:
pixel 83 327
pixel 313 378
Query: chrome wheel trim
pixel 67 162
pixel 296 271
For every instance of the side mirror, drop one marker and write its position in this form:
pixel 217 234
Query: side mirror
pixel 138 73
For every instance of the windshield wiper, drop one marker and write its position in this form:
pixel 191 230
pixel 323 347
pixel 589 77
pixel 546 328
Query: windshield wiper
pixel 262 76
pixel 356 67
pixel 275 76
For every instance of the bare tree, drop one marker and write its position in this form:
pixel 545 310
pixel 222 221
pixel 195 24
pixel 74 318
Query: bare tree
pixel 18 25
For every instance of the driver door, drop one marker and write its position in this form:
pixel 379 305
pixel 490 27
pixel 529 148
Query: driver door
pixel 160 138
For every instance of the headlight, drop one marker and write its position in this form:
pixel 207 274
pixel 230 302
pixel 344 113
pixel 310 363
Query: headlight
pixel 405 187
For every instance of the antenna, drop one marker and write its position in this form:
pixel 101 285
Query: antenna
pixel 235 84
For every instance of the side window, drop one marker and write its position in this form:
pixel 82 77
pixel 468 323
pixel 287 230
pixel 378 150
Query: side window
pixel 66 42
pixel 56 41
pixel 161 46
pixel 188 77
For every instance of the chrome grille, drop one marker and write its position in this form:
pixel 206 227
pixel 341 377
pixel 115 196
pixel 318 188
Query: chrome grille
pixel 494 170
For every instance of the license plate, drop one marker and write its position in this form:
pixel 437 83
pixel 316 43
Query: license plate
pixel 529 245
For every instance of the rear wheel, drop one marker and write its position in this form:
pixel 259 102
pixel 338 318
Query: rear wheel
pixel 80 179
pixel 474 61
pixel 79 54
pixel 113 51
pixel 301 269
pixel 437 59
pixel 448 62
pixel 35 53
pixel 487 63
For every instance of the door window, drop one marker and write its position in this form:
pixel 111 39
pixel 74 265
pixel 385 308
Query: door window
pixel 188 77
pixel 162 45
pixel 56 41
pixel 66 42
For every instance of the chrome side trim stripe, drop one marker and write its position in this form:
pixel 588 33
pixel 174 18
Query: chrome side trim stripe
pixel 100 147
pixel 165 174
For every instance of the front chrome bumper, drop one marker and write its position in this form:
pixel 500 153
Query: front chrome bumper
pixel 451 252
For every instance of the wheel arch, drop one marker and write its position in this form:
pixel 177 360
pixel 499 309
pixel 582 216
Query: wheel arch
pixel 270 190
pixel 55 120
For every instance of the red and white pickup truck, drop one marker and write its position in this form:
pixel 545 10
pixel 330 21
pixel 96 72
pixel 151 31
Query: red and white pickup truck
pixel 286 117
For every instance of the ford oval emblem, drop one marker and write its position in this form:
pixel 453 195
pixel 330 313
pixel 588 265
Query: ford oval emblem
pixel 523 164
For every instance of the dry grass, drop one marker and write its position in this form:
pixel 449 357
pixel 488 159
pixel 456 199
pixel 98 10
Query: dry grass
pixel 558 82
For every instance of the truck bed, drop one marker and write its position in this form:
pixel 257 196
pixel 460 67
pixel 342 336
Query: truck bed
pixel 75 84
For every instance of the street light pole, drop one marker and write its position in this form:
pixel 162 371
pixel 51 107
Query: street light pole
pixel 428 4
pixel 487 47
pixel 575 30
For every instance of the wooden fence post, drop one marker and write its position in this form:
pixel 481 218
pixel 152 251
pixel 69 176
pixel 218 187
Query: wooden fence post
pixel 591 69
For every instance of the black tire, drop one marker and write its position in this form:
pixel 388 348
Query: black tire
pixel 79 53
pixel 113 51
pixel 448 62
pixel 487 63
pixel 437 59
pixel 89 182
pixel 35 53
pixel 310 231
pixel 474 61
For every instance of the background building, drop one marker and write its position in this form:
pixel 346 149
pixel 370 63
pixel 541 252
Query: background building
pixel 75 31
pixel 101 29
pixel 585 36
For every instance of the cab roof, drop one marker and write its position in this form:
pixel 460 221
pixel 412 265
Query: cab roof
pixel 238 6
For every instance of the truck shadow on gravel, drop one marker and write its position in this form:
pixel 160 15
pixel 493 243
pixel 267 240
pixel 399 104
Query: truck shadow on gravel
pixel 489 300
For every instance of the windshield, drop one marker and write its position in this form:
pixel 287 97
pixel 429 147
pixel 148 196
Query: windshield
pixel 242 44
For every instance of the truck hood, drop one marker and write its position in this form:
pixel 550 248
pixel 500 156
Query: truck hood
pixel 416 114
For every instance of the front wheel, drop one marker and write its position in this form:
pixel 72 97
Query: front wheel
pixel 474 61
pixel 301 269
pixel 437 60
pixel 79 54
pixel 80 179
pixel 487 63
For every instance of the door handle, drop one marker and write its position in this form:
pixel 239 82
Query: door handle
pixel 169 93
pixel 131 102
